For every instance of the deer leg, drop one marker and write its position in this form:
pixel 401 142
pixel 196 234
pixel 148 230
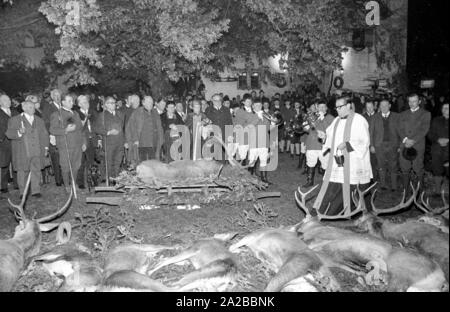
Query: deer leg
pixel 183 256
pixel 215 269
pixel 377 275
pixel 297 266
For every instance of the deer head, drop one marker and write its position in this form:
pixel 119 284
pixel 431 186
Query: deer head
pixel 28 233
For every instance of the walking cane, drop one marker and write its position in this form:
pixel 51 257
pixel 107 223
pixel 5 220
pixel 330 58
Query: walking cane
pixel 68 158
pixel 197 130
pixel 106 162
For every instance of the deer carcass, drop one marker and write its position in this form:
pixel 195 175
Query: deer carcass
pixel 26 242
pixel 153 171
pixel 215 267
pixel 132 257
pixel 282 251
pixel 430 235
pixel 74 264
pixel 402 269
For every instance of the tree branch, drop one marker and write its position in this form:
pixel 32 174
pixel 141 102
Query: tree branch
pixel 21 25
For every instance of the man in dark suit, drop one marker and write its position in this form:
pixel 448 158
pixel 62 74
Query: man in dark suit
pixel 384 142
pixel 413 127
pixel 87 116
pixel 220 116
pixel 54 105
pixel 438 136
pixel 6 112
pixel 110 124
pixel 369 114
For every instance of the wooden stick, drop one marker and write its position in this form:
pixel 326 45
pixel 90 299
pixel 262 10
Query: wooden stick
pixel 110 201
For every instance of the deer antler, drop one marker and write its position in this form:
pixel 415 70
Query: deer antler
pixel 347 214
pixel 426 207
pixel 18 212
pixel 59 212
pixel 302 201
pixel 400 206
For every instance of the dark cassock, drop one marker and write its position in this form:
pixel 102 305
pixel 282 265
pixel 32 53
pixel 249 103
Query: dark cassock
pixel 341 179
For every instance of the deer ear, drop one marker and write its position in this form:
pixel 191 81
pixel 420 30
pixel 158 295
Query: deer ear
pixel 47 227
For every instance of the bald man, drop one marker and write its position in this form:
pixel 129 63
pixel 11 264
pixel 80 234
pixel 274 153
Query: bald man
pixel 6 112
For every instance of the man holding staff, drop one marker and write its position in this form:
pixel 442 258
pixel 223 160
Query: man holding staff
pixel 67 127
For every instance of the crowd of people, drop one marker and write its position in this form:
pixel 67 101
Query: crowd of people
pixel 74 134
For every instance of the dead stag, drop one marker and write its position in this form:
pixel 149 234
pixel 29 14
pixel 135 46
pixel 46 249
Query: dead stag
pixel 16 252
pixel 401 269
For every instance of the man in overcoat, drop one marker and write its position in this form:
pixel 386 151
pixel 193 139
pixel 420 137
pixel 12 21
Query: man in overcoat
pixel 30 141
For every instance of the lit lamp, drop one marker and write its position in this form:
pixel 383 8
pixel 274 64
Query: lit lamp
pixel 341 71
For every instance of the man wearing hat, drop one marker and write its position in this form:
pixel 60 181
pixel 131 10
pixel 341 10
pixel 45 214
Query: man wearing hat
pixel 30 141
pixel 413 127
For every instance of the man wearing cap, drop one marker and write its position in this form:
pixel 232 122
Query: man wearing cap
pixel 30 141
pixel 413 127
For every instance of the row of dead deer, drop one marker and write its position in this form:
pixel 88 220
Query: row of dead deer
pixel 410 256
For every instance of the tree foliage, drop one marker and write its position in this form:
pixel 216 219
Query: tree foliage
pixel 161 40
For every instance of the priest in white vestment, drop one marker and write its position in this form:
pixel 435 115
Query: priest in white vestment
pixel 347 141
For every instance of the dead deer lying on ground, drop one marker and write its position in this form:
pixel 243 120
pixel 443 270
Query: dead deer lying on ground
pixel 402 269
pixel 74 264
pixel 16 252
pixel 126 266
pixel 426 233
pixel 215 267
pixel 294 263
pixel 132 257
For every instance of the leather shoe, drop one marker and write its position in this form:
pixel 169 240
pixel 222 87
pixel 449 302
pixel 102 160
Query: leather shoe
pixel 37 195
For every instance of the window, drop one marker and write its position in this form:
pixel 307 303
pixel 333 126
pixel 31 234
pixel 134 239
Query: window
pixel 255 81
pixel 242 81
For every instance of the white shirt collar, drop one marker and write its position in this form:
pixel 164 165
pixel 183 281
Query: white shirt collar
pixel 7 111
pixel 29 118
pixel 57 105
pixel 248 109
pixel 386 115
pixel 415 110
pixel 66 109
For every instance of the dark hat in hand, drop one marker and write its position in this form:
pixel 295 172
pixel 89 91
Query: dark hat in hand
pixel 409 153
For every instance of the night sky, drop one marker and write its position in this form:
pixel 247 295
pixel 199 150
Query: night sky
pixel 428 42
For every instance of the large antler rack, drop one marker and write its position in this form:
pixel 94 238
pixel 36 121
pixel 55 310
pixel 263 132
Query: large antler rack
pixel 402 205
pixel 425 206
pixel 345 214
